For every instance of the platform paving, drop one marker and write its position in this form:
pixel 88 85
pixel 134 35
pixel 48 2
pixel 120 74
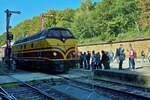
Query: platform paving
pixel 31 76
pixel 138 77
pixel 26 76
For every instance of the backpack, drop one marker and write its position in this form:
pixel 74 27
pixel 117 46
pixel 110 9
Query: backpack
pixel 121 51
pixel 121 54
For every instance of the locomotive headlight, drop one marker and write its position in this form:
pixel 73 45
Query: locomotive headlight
pixel 54 54
pixel 73 53
pixel 63 39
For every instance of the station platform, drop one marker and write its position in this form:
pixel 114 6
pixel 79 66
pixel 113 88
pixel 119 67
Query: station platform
pixel 32 76
pixel 26 76
pixel 139 77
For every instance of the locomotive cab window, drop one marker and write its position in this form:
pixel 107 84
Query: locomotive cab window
pixel 54 33
pixel 59 33
pixel 66 33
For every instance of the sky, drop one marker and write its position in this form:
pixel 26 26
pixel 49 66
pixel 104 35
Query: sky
pixel 30 8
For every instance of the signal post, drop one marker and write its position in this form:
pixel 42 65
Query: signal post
pixel 9 36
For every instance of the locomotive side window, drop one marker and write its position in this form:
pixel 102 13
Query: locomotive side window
pixel 21 46
pixel 24 46
pixel 32 45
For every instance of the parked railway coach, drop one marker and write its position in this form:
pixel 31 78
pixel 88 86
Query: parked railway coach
pixel 52 50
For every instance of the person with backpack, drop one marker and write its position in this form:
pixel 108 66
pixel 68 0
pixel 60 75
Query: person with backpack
pixel 132 56
pixel 120 55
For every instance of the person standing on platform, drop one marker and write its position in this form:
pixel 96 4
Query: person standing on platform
pixel 98 61
pixel 148 55
pixel 111 55
pixel 88 56
pixel 105 60
pixel 81 60
pixel 84 60
pixel 121 56
pixel 142 56
pixel 132 56
pixel 93 60
pixel 117 55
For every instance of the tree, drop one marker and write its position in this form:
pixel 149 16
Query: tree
pixel 86 5
pixel 145 15
pixel 65 18
pixel 106 20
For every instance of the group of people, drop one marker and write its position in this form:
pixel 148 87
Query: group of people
pixel 94 60
pixel 120 55
pixel 103 60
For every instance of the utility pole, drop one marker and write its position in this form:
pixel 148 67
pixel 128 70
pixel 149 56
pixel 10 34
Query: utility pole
pixel 43 16
pixel 9 35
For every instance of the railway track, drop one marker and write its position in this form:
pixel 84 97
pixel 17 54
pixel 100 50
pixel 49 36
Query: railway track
pixel 29 92
pixel 42 90
pixel 5 95
pixel 37 91
pixel 114 87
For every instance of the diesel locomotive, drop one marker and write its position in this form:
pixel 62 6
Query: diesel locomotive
pixel 52 50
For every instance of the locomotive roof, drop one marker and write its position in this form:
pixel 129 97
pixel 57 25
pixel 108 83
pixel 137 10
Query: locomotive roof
pixel 37 35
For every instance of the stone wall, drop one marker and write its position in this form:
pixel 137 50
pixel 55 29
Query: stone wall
pixel 138 45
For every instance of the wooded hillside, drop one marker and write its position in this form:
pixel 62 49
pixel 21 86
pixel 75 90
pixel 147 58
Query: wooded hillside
pixel 108 20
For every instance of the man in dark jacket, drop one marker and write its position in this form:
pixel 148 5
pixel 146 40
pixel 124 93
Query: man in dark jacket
pixel 88 59
pixel 81 60
pixel 105 60
pixel 120 55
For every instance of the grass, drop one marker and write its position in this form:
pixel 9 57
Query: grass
pixel 10 85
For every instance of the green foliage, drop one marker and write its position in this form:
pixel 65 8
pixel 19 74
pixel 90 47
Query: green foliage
pixel 2 39
pixel 107 20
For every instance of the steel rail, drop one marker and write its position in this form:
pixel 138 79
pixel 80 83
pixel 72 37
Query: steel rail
pixel 39 91
pixel 9 96
pixel 107 88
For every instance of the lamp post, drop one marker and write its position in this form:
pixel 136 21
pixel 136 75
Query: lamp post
pixel 9 35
